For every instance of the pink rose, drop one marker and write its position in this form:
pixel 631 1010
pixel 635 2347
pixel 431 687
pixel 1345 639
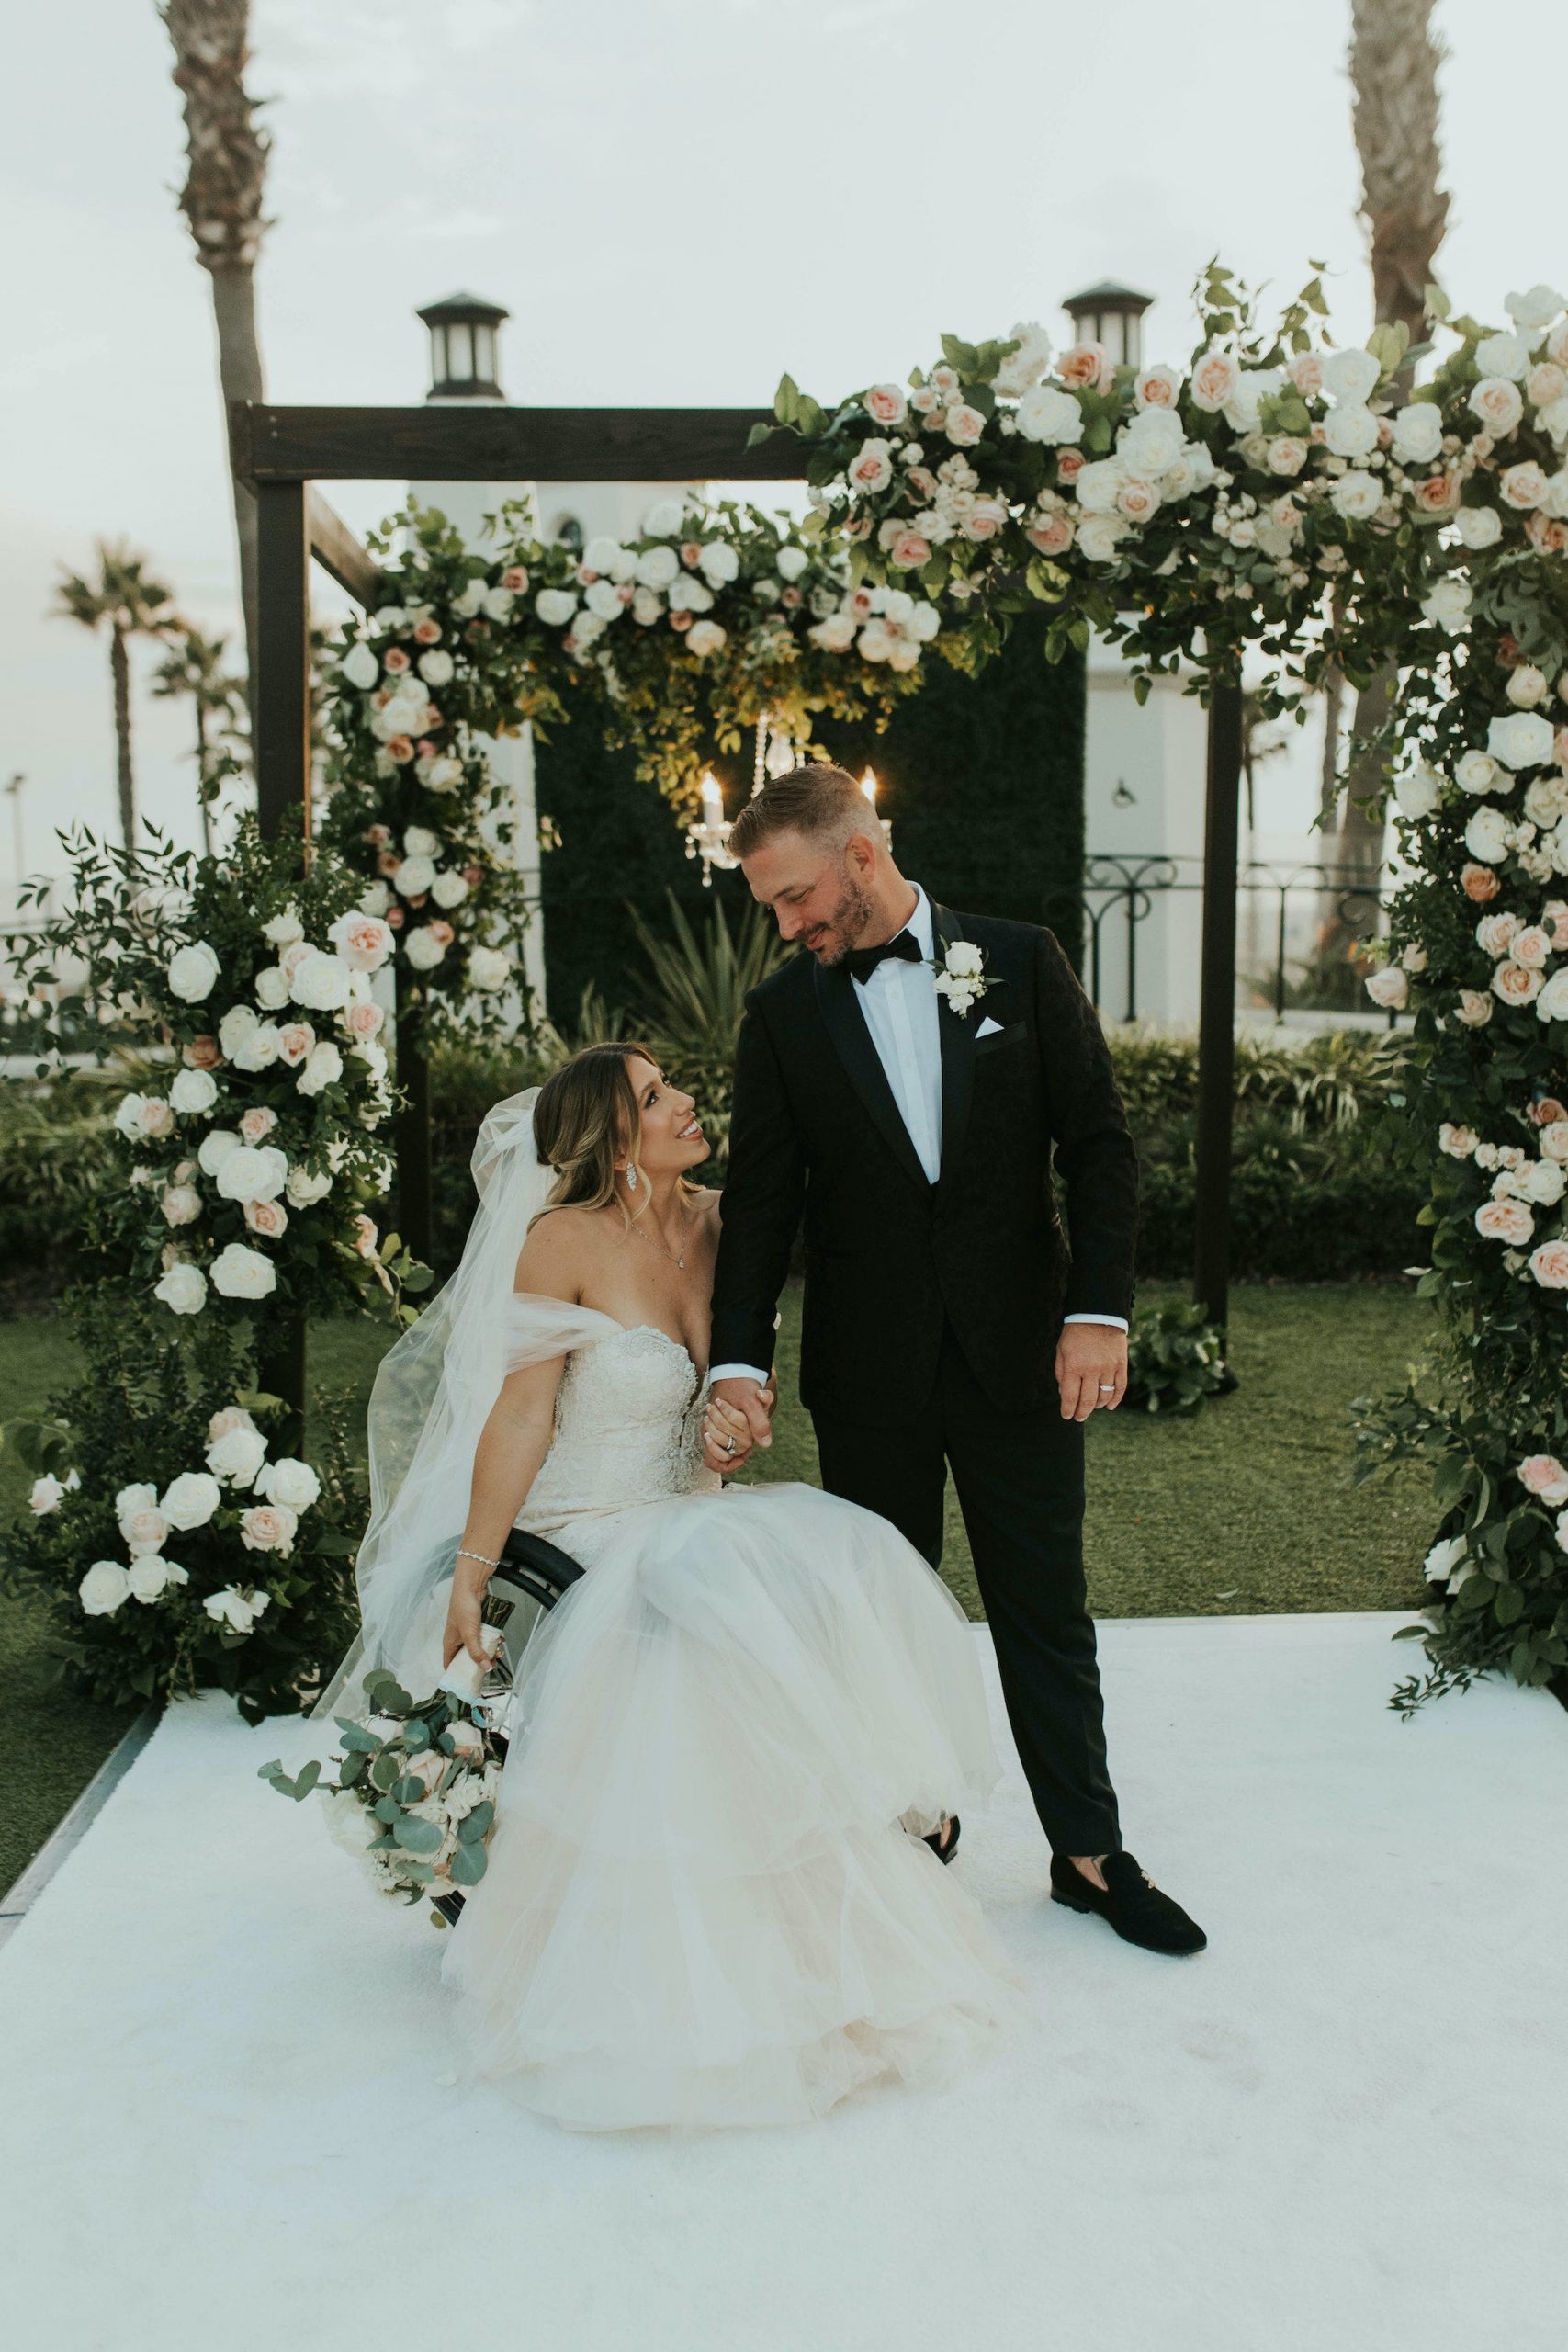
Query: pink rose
pixel 365 1237
pixel 294 1041
pixel 1497 405
pixel 1531 947
pixel 395 918
pixel 1545 383
pixel 473 876
pixel 1473 1009
pixel 1389 987
pixel 1215 380
pixel 1051 534
pixel 254 1124
pixel 872 469
pixel 682 621
pixel 268 1527
pixel 1086 364
pixel 1523 485
pixel 202 1053
pixel 268 1218
pixel 1306 373
pixel 888 403
pixel 1554 1135
pixel 1549 1264
pixel 361 941
pixel 1546 1112
pixel 1437 494
pixel 1137 501
pixel 1508 1221
pixel 860 602
pixel 924 399
pixel 400 750
pixel 1156 387
pixel 379 834
pixel 1070 463
pixel 965 425
pixel 395 660
pixel 441 931
pixel 514 578
pixel 691 553
pixel 293 955
pixel 985 519
pixel 428 632
pixel 1542 1473
pixel 791 598
pixel 1496 934
pixel 921 483
pixel 1478 882
pixel 363 1020
pixel 1546 533
pixel 388 861
pixel 908 551
pixel 1516 983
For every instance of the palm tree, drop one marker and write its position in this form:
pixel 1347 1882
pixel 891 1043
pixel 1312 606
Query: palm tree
pixel 1394 57
pixel 195 665
pixel 226 158
pixel 133 605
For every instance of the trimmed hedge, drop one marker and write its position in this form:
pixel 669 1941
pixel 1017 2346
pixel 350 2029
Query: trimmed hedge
pixel 1289 1226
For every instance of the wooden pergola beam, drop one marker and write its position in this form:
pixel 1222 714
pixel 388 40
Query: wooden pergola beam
pixel 470 441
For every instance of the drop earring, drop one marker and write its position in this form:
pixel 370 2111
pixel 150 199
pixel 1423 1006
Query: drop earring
pixel 631 1179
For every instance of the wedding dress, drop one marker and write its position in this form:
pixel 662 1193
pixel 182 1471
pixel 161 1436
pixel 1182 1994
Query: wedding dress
pixel 707 1899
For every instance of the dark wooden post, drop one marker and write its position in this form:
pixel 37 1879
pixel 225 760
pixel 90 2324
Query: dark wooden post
pixel 411 1133
pixel 281 702
pixel 1216 1018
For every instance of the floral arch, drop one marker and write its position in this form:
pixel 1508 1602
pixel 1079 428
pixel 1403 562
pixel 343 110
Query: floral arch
pixel 1279 496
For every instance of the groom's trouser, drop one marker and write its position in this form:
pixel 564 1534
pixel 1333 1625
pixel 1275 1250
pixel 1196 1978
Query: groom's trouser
pixel 1019 1479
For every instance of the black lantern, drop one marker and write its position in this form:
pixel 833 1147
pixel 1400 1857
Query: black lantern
pixel 463 363
pixel 1112 316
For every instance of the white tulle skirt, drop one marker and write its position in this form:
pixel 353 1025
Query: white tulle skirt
pixel 707 1901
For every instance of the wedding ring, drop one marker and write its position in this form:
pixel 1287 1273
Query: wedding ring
pixel 1108 1384
pixel 729 1445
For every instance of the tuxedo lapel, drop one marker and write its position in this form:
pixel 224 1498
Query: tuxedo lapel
pixel 957 1034
pixel 838 1001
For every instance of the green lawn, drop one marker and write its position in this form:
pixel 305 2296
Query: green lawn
pixel 1247 1507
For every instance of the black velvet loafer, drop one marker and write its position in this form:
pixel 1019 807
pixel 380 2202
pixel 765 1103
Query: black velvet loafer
pixel 944 1853
pixel 1130 1901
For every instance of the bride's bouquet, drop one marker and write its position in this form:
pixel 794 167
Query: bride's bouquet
pixel 414 1798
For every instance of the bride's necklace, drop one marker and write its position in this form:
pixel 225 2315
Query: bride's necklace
pixel 660 1242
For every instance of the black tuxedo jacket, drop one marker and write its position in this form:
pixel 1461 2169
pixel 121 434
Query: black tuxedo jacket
pixel 890 1256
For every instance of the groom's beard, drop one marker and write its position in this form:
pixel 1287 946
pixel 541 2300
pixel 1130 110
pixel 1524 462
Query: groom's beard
pixel 846 926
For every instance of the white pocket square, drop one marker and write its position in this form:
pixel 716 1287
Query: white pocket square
pixel 989 1028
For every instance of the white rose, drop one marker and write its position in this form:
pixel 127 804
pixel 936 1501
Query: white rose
pixel 1486 835
pixel 321 982
pixel 1503 354
pixel 444 775
pixel 45 1495
pixel 253 1172
pixel 414 875
pixel 259 1048
pixel 1356 496
pixel 181 1203
pixel 322 1067
pixel 657 566
pixel 1554 419
pixel 359 666
pixel 1151 442
pixel 449 889
pixel 192 972
pixel 436 666
pixel 104 1588
pixel 235 1027
pixel 216 1148
pixel 422 949
pixel 1497 403
pixel 1389 987
pixel 190 1499
pixel 1100 536
pixel 362 940
pixel 237 1454
pixel 488 968
pixel 719 563
pixel 1023 368
pixel 272 987
pixel 304 1190
pixel 1350 431
pixel 1551 1004
pixel 289 1482
pixel 128 1117
pixel 964 958
pixel 690 594
pixel 1418 432
pixel 230 1607
pixel 144 1531
pixel 1478 527
pixel 663 519
pixel 497 604
pixel 350 1823
pixel 1535 309
pixel 604 600
pixel 1521 740
pixel 1523 486
pixel 1050 415
pixel 1099 486
pixel 194 1092
pixel 238 1272
pixel 554 606
pixel 1350 375
pixel 183 1290
pixel 1448 606
pixel 283 929
pixel 790 563
pixel 704 638
pixel 1526 686
pixel 834 635
pixel 1478 771
pixel 1417 794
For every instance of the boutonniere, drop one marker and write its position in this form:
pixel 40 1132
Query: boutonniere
pixel 962 975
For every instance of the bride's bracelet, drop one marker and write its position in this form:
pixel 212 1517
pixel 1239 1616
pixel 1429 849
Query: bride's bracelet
pixel 464 1554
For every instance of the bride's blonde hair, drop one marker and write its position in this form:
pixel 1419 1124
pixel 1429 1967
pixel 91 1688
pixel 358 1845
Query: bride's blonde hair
pixel 586 1112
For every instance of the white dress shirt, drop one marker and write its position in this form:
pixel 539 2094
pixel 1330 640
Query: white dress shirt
pixel 902 1010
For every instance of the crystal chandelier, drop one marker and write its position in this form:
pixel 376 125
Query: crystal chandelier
pixel 775 755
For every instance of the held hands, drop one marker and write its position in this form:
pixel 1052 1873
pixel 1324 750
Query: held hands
pixel 1091 1368
pixel 739 1417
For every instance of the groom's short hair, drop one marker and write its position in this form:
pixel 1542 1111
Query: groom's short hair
pixel 818 800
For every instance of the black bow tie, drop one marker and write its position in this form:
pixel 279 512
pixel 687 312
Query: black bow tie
pixel 860 962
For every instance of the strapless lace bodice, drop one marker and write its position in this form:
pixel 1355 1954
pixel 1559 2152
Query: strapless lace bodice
pixel 628 1430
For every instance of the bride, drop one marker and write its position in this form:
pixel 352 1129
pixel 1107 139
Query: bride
pixel 709 1898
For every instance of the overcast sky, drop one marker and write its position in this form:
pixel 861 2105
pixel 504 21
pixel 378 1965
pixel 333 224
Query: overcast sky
pixel 676 199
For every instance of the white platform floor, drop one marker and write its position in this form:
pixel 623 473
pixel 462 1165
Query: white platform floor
pixel 224 2128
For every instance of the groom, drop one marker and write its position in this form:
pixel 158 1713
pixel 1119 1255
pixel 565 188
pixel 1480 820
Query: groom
pixel 910 1122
